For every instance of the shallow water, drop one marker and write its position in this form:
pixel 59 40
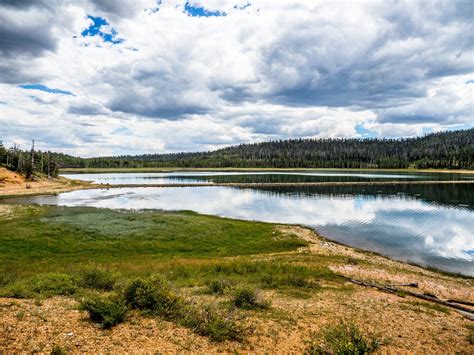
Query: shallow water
pixel 431 225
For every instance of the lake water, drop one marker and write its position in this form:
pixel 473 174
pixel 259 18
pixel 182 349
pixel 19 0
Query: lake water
pixel 431 225
pixel 259 177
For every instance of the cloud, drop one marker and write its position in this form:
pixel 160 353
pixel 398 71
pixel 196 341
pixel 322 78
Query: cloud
pixel 25 32
pixel 177 75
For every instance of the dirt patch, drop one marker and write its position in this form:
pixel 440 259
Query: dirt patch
pixel 12 183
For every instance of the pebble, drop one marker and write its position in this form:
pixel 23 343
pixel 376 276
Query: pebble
pixel 69 334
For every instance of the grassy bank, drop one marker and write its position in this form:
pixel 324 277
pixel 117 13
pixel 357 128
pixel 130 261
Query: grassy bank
pixel 173 281
pixel 46 239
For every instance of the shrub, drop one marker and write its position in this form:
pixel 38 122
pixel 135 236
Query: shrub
pixel 153 296
pixel 42 285
pixel 96 277
pixel 208 321
pixel 219 286
pixel 156 297
pixel 470 335
pixel 57 350
pixel 345 338
pixel 105 311
pixel 248 298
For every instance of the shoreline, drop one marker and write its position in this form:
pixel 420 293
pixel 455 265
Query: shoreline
pixel 63 184
pixel 44 186
pixel 283 184
pixel 178 169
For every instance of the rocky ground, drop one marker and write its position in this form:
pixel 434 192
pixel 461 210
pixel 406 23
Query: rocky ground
pixel 401 323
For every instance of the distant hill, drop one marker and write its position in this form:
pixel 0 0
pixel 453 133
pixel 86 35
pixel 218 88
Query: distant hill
pixel 450 150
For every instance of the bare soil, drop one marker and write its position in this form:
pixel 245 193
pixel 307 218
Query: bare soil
pixel 12 183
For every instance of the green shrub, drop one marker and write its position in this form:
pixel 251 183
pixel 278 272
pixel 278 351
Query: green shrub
pixel 248 298
pixel 154 296
pixel 344 338
pixel 106 311
pixel 470 335
pixel 219 286
pixel 210 322
pixel 57 350
pixel 96 277
pixel 46 285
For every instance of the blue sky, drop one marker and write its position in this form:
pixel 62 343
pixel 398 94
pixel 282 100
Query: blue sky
pixel 102 77
pixel 44 88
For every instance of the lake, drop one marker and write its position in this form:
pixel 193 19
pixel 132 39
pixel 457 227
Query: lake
pixel 430 225
pixel 259 177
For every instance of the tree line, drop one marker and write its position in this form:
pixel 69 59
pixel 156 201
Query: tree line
pixel 443 150
pixel 29 162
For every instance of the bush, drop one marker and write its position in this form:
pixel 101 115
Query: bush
pixel 248 298
pixel 470 335
pixel 105 311
pixel 96 277
pixel 208 321
pixel 219 287
pixel 42 285
pixel 345 338
pixel 154 296
pixel 57 350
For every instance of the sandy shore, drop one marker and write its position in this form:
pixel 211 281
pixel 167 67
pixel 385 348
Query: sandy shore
pixel 14 184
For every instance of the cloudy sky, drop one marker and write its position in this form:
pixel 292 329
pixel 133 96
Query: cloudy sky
pixel 102 77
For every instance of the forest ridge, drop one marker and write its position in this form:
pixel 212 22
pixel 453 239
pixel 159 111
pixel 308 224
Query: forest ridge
pixel 451 150
pixel 443 150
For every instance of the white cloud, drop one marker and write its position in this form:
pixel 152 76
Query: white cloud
pixel 273 70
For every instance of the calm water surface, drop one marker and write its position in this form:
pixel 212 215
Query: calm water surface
pixel 258 177
pixel 431 225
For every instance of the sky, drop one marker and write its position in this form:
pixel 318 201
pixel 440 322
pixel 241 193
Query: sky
pixel 114 77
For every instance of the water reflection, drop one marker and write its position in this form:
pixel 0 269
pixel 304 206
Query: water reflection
pixel 412 224
pixel 258 177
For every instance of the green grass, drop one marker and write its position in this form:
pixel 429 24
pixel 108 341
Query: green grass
pixel 114 261
pixel 343 338
pixel 57 250
pixel 424 307
pixel 54 238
